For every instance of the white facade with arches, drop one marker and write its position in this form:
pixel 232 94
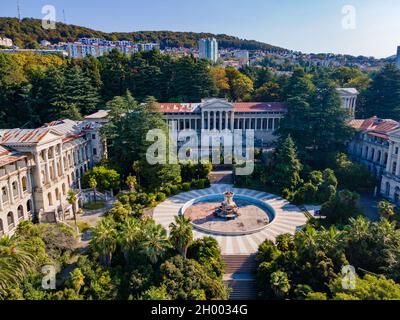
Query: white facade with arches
pixel 39 166
pixel 391 178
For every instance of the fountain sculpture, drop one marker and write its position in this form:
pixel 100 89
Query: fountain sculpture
pixel 228 209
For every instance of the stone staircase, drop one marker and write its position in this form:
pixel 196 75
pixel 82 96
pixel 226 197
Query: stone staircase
pixel 240 276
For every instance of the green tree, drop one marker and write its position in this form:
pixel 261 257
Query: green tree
pixel 155 242
pixel 287 167
pixel 106 179
pixel 181 234
pixel 383 95
pixel 280 283
pixel 93 185
pixel 386 209
pixel 104 240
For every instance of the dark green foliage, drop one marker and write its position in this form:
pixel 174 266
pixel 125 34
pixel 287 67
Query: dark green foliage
pixel 382 98
pixel 341 208
pixel 206 251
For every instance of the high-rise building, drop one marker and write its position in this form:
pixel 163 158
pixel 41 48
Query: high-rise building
pixel 398 57
pixel 208 49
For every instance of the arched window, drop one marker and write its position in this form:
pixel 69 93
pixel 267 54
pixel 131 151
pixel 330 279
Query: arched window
pixel 58 195
pixel 1 228
pixel 4 194
pixel 387 189
pixel 64 189
pixel 372 154
pixel 50 198
pixel 29 206
pixel 69 180
pixel 24 184
pixel 20 212
pixel 10 221
pixel 15 189
pixel 379 156
pixel 81 170
pixel 394 167
pixel 397 195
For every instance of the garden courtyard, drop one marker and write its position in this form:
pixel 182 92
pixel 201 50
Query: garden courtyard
pixel 287 218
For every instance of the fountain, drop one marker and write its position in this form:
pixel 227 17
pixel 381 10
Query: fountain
pixel 228 209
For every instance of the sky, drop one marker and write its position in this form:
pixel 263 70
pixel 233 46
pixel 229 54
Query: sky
pixel 365 27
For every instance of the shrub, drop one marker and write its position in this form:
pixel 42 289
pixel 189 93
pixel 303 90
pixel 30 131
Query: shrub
pixel 160 197
pixel 186 186
pixel 198 184
pixel 174 190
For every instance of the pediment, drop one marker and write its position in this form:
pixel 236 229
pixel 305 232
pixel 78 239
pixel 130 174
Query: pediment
pixel 217 104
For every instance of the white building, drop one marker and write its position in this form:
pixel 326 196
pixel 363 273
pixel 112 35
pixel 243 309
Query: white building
pixel 391 178
pixel 243 57
pixel 45 43
pixel 378 147
pixel 39 166
pixel 6 42
pixel 349 100
pixel 398 57
pixel 208 49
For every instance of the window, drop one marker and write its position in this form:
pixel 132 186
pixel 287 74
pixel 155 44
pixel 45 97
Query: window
pixel 20 213
pixel 29 206
pixel 394 167
pixel 10 221
pixel 4 194
pixel 93 137
pixel 94 151
pixel 24 184
pixel 50 199
pixel 15 189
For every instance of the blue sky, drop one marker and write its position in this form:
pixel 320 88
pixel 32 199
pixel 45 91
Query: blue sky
pixel 305 25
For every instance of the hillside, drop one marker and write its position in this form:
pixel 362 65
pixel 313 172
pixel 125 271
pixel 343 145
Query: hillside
pixel 29 32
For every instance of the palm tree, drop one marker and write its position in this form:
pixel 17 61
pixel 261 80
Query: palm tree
pixel 93 185
pixel 129 236
pixel 136 169
pixel 77 279
pixel 155 242
pixel 72 200
pixel 15 262
pixel 131 182
pixel 280 283
pixel 386 210
pixel 181 234
pixel 104 240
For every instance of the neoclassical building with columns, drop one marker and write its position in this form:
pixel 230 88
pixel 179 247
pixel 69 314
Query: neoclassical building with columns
pixel 377 145
pixel 39 166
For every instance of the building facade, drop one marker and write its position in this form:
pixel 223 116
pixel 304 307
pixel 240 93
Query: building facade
pixel 391 178
pixel 6 42
pixel 208 49
pixel 39 166
pixel 398 57
pixel 377 146
pixel 349 100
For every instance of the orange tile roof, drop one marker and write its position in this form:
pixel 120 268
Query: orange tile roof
pixel 376 127
pixel 238 107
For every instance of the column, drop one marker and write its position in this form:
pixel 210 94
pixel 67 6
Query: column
pixel 10 192
pixel 389 163
pixel 62 160
pixel 209 120
pixel 202 121
pixel 398 163
pixel 47 165
pixel 226 120
pixel 21 192
pixel 38 170
pixel 215 121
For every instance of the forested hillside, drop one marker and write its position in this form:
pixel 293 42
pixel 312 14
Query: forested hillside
pixel 29 32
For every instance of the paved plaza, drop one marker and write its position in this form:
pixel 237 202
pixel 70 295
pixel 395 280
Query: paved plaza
pixel 289 218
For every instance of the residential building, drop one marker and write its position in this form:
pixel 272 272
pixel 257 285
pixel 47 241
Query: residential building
pixel 243 57
pixel 6 42
pixel 39 166
pixel 208 49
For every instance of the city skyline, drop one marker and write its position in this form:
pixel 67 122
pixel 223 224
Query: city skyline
pixel 319 27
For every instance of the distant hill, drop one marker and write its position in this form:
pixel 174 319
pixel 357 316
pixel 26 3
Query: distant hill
pixel 29 32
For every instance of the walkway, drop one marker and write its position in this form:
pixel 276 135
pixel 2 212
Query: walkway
pixel 288 218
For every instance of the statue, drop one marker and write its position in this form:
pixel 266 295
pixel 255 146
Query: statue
pixel 228 209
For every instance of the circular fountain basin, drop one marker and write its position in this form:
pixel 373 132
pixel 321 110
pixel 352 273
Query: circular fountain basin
pixel 254 215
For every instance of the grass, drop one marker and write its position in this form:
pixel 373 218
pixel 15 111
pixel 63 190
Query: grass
pixel 94 205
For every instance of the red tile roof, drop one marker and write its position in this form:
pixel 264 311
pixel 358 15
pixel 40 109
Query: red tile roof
pixel 238 107
pixel 260 106
pixel 376 127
